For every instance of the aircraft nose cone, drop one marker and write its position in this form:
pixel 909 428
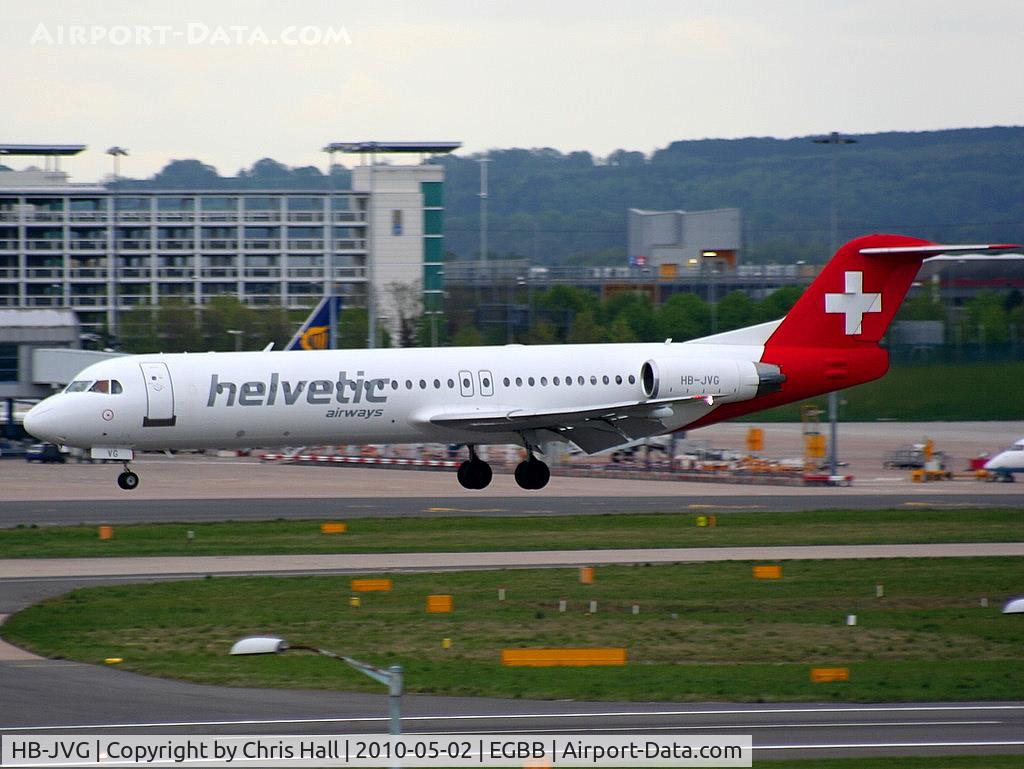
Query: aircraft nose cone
pixel 40 422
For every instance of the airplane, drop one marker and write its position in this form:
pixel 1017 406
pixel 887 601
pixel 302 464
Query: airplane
pixel 596 396
pixel 1004 464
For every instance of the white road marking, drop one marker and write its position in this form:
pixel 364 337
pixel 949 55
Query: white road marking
pixel 509 716
pixel 856 745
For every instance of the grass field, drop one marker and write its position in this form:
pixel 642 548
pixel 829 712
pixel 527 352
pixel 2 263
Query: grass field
pixel 927 392
pixel 704 631
pixel 383 535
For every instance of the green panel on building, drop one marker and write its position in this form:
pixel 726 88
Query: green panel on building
pixel 433 277
pixel 433 222
pixel 433 195
pixel 433 250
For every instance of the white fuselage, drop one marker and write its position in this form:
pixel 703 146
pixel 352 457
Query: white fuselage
pixel 268 399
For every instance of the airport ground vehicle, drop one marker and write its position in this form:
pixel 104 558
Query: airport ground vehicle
pixel 45 453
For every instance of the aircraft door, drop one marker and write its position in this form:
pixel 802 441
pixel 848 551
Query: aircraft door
pixel 466 384
pixel 159 395
pixel 486 383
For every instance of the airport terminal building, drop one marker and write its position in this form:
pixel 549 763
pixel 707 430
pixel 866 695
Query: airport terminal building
pixel 102 250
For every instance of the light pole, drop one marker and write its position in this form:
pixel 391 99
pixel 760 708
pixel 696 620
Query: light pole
pixel 391 678
pixel 483 161
pixel 237 334
pixel 834 139
pixel 116 153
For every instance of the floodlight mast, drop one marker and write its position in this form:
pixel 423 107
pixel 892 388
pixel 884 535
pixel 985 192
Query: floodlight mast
pixel 834 139
pixel 391 677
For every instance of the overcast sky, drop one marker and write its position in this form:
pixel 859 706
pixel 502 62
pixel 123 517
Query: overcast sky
pixel 569 74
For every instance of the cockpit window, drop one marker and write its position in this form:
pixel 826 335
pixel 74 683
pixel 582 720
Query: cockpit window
pixel 107 387
pixel 79 386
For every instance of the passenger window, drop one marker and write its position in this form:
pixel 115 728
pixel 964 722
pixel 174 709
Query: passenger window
pixel 605 379
pixel 530 381
pixel 408 384
pixel 580 381
pixel 423 384
pixel 451 384
pixel 437 384
pixel 632 379
pixel 506 381
pixel 556 381
pixel 519 381
pixel 618 379
pixel 543 381
pixel 394 384
pixel 593 380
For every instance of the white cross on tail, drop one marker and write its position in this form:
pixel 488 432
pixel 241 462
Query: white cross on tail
pixel 853 302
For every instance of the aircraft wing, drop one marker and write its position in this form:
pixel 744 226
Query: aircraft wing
pixel 592 429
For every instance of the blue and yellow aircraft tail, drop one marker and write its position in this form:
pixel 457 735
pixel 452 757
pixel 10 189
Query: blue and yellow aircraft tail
pixel 320 331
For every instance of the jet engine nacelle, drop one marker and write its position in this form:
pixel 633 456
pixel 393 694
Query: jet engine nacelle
pixel 731 380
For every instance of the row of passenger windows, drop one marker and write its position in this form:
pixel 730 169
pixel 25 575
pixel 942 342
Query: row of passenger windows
pixel 485 382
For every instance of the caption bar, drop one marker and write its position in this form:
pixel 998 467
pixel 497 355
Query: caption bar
pixel 412 750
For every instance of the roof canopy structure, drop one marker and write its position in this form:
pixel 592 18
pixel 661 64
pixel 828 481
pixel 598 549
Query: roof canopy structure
pixel 41 150
pixel 371 149
pixel 426 148
pixel 52 152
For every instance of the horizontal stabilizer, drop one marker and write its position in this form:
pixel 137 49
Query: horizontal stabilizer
pixel 937 249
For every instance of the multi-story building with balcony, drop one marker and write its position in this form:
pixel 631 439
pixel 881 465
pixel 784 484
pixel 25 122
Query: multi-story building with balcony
pixel 102 249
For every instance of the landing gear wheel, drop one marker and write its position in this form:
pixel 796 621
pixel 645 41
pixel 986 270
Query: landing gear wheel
pixel 532 474
pixel 475 474
pixel 128 480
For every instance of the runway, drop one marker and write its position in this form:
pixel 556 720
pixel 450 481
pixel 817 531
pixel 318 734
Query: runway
pixel 743 499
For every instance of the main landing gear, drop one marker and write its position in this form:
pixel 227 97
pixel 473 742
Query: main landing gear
pixel 128 480
pixel 474 473
pixel 532 473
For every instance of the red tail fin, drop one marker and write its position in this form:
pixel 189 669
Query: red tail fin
pixel 829 340
pixel 853 300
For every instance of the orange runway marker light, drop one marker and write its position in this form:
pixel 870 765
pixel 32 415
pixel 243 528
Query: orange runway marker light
pixel 371 585
pixel 439 604
pixel 768 571
pixel 825 675
pixel 571 657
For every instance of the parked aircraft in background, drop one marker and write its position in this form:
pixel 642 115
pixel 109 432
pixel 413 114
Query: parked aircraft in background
pixel 596 396
pixel 1006 463
pixel 320 330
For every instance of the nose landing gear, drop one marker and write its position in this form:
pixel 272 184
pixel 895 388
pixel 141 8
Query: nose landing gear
pixel 128 480
pixel 474 473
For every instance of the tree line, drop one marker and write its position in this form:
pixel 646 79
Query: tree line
pixel 559 315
